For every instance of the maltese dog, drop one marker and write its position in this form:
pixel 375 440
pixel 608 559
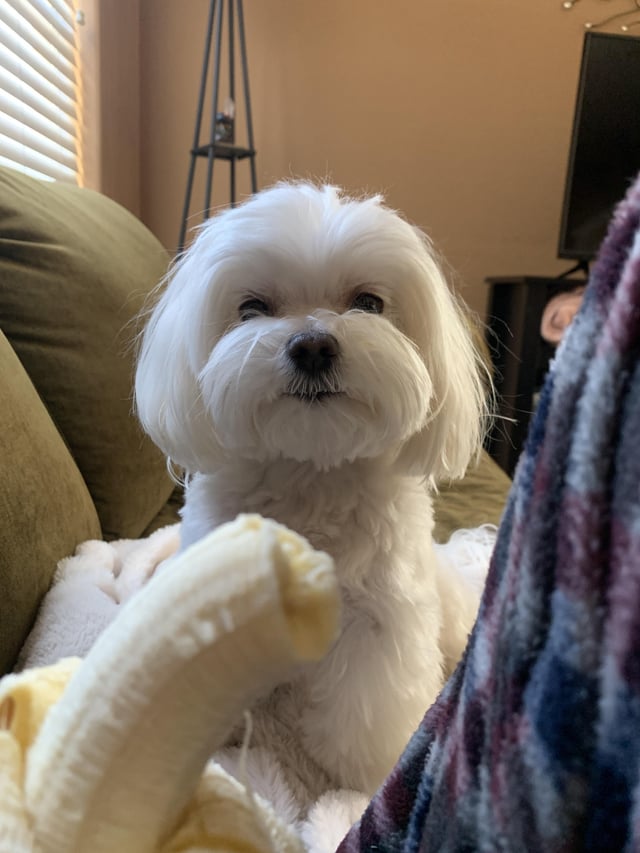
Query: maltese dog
pixel 307 361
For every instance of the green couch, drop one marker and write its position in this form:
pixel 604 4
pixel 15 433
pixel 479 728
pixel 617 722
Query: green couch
pixel 75 271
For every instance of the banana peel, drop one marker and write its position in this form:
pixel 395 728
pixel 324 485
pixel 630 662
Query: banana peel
pixel 112 753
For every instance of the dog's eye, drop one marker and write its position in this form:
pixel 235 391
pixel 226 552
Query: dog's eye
pixel 368 302
pixel 253 308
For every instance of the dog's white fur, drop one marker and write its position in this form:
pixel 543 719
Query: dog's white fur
pixel 346 458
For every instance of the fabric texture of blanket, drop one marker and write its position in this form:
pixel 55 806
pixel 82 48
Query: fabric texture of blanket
pixel 534 744
pixel 89 590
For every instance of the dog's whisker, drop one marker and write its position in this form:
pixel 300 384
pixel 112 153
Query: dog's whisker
pixel 249 353
pixel 303 385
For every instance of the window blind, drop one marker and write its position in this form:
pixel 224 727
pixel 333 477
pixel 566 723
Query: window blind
pixel 39 88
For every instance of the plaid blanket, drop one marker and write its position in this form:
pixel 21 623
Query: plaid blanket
pixel 534 743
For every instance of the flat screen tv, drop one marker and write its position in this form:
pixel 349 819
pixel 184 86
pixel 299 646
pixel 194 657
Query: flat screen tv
pixel 604 155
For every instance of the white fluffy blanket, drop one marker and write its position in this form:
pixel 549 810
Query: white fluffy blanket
pixel 89 588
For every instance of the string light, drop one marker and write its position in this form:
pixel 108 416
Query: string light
pixel 596 25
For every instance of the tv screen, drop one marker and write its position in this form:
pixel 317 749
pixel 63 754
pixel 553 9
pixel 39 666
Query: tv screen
pixel 604 156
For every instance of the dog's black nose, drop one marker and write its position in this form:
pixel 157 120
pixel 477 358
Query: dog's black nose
pixel 312 352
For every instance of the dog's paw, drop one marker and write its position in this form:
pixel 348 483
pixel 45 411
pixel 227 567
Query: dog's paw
pixel 93 566
pixel 330 819
pixel 138 560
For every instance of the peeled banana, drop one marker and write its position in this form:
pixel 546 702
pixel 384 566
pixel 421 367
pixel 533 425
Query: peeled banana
pixel 119 759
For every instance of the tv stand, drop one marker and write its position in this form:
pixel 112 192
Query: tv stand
pixel 519 354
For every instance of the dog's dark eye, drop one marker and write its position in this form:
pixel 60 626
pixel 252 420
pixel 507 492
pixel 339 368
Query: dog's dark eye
pixel 368 302
pixel 253 308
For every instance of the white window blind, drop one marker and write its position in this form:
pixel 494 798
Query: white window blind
pixel 39 89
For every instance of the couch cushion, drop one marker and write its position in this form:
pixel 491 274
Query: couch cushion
pixel 45 508
pixel 479 498
pixel 75 268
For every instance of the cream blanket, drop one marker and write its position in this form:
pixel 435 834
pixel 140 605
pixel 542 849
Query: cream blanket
pixel 88 591
pixel 90 588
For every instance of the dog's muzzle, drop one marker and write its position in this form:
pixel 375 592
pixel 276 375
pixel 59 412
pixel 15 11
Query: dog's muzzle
pixel 313 353
pixel 313 356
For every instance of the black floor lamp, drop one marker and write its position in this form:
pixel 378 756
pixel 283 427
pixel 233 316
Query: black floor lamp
pixel 221 143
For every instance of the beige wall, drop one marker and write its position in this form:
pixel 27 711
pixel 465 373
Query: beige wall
pixel 460 112
pixel 110 96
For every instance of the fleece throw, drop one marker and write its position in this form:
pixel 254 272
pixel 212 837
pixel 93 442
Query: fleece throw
pixel 89 590
pixel 534 744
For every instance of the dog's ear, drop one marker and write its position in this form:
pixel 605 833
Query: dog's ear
pixel 171 353
pixel 443 331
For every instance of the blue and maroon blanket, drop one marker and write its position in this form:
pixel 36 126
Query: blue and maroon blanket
pixel 534 743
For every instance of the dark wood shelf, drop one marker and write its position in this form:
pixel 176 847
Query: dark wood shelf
pixel 520 356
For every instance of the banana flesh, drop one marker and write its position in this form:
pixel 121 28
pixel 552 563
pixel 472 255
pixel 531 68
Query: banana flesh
pixel 118 760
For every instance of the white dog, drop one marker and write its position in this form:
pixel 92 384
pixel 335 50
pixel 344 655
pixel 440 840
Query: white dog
pixel 308 362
